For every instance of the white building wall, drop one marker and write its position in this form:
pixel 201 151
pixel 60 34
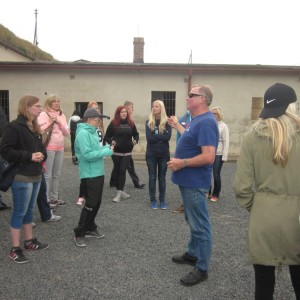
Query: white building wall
pixel 232 91
pixel 8 55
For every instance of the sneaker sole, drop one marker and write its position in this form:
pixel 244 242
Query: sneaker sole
pixel 183 262
pixel 18 262
pixel 95 237
pixel 52 221
pixel 26 249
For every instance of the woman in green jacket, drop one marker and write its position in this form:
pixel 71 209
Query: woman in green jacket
pixel 267 185
pixel 91 172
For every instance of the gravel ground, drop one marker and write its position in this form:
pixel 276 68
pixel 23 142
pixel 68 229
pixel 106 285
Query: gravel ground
pixel 133 260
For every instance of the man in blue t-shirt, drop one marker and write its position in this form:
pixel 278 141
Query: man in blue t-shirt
pixel 192 167
pixel 180 125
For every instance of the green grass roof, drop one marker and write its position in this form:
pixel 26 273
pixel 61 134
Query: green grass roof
pixel 24 47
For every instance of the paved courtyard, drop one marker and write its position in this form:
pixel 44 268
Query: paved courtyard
pixel 133 260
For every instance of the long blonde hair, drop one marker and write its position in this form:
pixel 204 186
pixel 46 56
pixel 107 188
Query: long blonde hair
pixel 219 111
pixel 48 103
pixel 281 130
pixel 163 117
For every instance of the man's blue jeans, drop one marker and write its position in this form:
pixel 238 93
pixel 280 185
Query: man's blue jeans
pixel 157 167
pixel 197 216
pixel 24 199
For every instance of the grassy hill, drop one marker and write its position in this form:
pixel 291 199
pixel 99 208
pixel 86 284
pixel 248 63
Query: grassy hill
pixel 11 40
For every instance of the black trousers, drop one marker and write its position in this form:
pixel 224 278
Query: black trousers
pixel 42 203
pixel 121 164
pixel 72 143
pixel 92 192
pixel 265 281
pixel 131 172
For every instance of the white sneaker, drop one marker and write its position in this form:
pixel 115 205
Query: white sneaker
pixel 124 195
pixel 118 197
pixel 54 218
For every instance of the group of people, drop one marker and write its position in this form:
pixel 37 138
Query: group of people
pixel 265 182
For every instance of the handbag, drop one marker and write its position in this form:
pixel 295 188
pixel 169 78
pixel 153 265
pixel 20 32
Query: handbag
pixel 7 174
pixel 47 135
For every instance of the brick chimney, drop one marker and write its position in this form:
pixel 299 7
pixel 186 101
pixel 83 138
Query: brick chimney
pixel 138 50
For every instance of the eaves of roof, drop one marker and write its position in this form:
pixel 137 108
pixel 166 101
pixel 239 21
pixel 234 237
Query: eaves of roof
pixel 17 51
pixel 38 65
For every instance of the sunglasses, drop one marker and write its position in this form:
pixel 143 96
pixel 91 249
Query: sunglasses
pixel 195 95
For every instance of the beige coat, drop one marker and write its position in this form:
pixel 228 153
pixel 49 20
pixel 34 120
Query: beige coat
pixel 272 196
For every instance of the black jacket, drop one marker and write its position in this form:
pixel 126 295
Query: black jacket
pixel 17 145
pixel 122 135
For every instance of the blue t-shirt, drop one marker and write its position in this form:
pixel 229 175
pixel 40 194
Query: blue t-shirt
pixel 203 131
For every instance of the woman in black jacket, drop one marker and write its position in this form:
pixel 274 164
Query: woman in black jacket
pixel 122 133
pixel 22 145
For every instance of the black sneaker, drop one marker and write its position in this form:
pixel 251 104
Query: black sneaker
pixel 140 185
pixel 184 259
pixel 94 234
pixel 74 160
pixel 3 206
pixel 34 244
pixel 16 255
pixel 193 277
pixel 79 241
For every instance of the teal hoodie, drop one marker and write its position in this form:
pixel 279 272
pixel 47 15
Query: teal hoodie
pixel 89 152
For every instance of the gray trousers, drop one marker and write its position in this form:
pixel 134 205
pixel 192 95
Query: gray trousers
pixel 53 170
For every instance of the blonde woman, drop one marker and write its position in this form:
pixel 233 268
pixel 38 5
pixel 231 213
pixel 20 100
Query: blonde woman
pixel 222 152
pixel 267 185
pixel 53 116
pixel 158 134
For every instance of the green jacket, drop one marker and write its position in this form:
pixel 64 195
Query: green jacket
pixel 271 193
pixel 89 152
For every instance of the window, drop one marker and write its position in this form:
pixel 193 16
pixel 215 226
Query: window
pixel 4 102
pixel 169 99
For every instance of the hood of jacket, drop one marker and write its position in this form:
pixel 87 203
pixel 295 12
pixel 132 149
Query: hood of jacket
pixel 87 127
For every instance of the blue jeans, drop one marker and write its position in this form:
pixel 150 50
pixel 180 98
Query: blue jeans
pixel 157 166
pixel 197 216
pixel 217 176
pixel 24 199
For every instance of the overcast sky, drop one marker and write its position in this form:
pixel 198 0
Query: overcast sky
pixel 215 31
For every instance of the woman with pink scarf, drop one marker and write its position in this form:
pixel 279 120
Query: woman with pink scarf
pixel 53 116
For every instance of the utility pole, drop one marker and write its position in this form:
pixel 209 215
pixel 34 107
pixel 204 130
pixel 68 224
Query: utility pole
pixel 35 40
pixel 191 58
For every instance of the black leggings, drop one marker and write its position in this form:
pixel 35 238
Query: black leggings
pixel 265 281
pixel 121 164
